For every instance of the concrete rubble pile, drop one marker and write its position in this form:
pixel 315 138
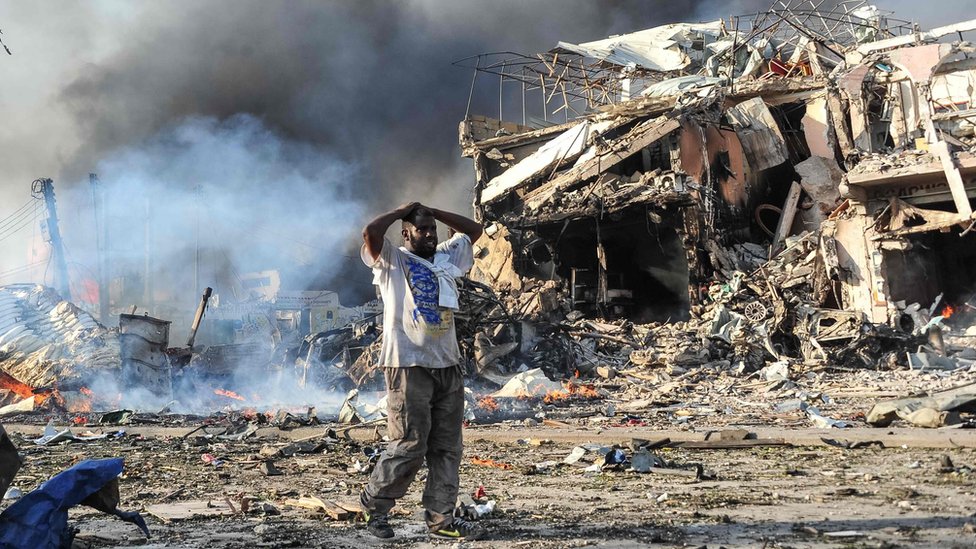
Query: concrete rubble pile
pixel 728 200
pixel 45 340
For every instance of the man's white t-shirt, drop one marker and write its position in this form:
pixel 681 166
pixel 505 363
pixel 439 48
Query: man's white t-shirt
pixel 417 329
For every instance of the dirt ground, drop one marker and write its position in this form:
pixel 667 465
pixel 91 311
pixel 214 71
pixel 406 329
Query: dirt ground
pixel 807 495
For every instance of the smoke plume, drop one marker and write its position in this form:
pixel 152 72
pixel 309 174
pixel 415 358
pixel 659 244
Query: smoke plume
pixel 330 111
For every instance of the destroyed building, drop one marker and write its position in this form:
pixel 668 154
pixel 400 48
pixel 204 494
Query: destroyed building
pixel 802 175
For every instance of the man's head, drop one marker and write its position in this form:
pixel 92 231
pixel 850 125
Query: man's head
pixel 420 232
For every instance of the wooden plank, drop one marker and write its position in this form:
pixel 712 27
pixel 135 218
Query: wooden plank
pixel 786 218
pixel 334 510
pixel 317 504
pixel 956 185
pixel 353 507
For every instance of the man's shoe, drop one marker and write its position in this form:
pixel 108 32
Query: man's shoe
pixel 378 525
pixel 459 529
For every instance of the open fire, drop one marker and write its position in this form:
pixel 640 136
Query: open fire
pixel 530 403
pixel 84 402
pixel 488 403
pixel 576 390
pixel 485 462
pixel 228 394
pixel 22 390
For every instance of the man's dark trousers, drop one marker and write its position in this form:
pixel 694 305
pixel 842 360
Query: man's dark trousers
pixel 425 408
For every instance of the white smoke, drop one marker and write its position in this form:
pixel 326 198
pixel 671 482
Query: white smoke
pixel 218 198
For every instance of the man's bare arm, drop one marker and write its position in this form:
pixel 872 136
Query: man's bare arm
pixel 374 230
pixel 459 223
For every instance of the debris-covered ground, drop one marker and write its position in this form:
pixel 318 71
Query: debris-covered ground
pixel 210 493
pixel 782 458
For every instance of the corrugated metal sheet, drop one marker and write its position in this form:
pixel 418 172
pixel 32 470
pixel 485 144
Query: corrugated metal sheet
pixel 143 342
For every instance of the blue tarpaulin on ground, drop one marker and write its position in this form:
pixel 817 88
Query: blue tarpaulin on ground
pixel 39 520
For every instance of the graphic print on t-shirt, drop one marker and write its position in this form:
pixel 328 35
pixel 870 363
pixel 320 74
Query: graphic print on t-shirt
pixel 425 289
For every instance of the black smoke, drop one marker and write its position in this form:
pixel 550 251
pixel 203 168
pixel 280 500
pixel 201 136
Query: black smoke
pixel 369 84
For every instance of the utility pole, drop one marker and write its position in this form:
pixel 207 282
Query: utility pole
pixel 53 235
pixel 101 245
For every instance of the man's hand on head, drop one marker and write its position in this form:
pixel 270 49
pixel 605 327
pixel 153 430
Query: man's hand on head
pixel 407 207
pixel 459 223
pixel 374 230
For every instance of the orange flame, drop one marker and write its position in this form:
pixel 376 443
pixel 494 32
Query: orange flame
pixel 490 463
pixel 488 403
pixel 948 311
pixel 572 389
pixel 555 396
pixel 83 403
pixel 23 390
pixel 11 384
pixel 228 394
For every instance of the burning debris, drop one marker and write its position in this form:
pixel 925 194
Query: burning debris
pixel 49 347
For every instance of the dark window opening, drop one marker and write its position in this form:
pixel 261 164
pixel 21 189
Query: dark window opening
pixel 646 277
pixel 936 263
pixel 773 184
pixel 656 156
pixel 789 119
pixel 879 112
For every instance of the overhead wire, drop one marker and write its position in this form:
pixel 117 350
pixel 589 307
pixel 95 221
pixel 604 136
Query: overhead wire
pixel 18 210
pixel 24 222
pixel 16 219
pixel 16 270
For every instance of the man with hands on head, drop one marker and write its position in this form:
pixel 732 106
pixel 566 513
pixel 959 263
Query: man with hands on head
pixel 420 359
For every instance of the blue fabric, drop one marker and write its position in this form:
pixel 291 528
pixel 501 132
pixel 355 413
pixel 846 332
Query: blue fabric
pixel 39 520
